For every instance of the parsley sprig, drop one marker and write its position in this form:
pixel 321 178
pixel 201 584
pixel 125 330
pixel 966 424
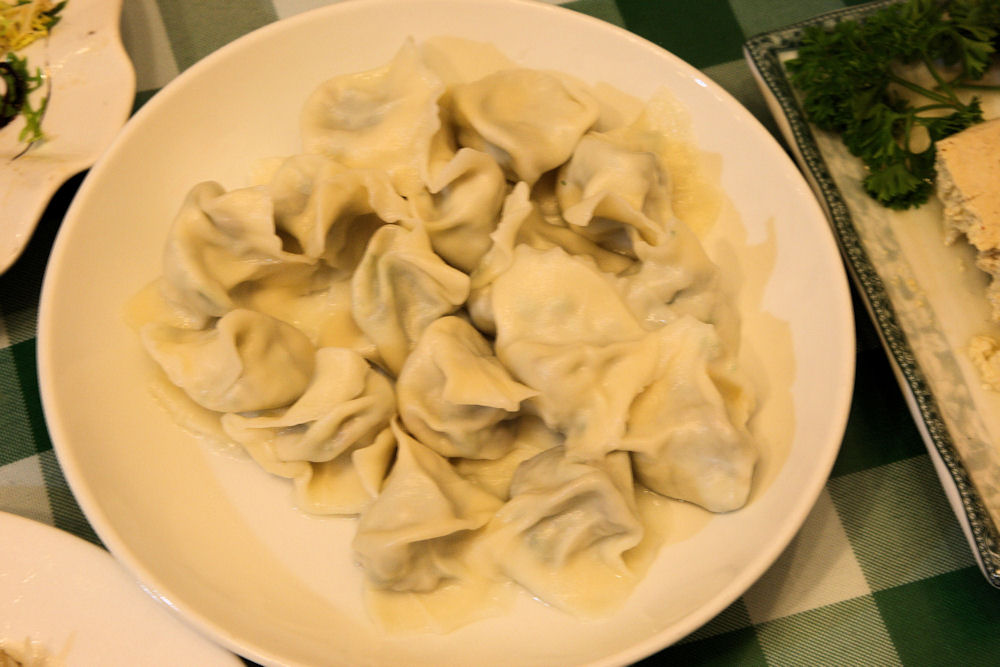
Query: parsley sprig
pixel 19 83
pixel 17 80
pixel 852 77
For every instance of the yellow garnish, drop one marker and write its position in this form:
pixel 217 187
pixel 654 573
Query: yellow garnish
pixel 23 22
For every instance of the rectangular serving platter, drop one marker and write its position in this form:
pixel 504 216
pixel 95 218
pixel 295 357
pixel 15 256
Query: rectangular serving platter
pixel 926 299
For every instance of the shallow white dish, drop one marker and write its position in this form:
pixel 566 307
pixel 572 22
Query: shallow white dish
pixel 221 540
pixel 93 87
pixel 927 299
pixel 72 601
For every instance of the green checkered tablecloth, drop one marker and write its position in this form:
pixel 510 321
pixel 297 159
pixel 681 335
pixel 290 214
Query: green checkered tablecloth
pixel 880 573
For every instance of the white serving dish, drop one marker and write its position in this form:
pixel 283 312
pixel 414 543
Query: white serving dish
pixel 220 541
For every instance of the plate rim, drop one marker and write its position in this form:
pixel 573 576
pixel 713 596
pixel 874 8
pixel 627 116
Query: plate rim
pixel 100 565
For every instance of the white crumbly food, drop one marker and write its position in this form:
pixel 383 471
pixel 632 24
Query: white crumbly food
pixel 984 352
pixel 968 185
pixel 471 313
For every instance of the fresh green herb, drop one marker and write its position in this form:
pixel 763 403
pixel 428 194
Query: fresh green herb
pixel 21 23
pixel 19 83
pixel 15 90
pixel 54 15
pixel 852 77
pixel 25 21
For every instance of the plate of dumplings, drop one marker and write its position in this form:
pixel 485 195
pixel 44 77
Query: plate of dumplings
pixel 452 339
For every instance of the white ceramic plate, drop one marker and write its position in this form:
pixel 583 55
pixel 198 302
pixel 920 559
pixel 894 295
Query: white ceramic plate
pixel 72 601
pixel 221 541
pixel 93 87
pixel 927 299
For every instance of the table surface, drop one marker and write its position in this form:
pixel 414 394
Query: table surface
pixel 880 572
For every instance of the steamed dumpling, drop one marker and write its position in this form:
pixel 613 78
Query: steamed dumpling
pixel 346 403
pixel 410 538
pixel 247 361
pixel 399 288
pixel 663 129
pixel 219 240
pixel 522 223
pixel 554 298
pixel 605 189
pixel 455 396
pixel 315 300
pixel 334 441
pixel 461 211
pixel 567 507
pixel 330 211
pixel 343 486
pixel 687 440
pixel 347 484
pixel 528 120
pixel 385 118
pixel 675 277
pixel 531 437
pixel 568 522
pixel 563 330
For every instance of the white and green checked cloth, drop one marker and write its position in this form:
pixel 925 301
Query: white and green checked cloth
pixel 880 573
